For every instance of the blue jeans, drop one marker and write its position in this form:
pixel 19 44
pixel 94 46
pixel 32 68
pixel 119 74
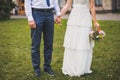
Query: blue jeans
pixel 44 24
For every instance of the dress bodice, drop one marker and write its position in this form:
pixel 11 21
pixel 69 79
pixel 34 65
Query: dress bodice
pixel 81 1
pixel 80 13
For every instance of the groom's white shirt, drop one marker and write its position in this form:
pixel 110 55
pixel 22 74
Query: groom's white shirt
pixel 40 4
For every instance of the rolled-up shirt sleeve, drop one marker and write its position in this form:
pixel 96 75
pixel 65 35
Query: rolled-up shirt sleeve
pixel 28 9
pixel 57 8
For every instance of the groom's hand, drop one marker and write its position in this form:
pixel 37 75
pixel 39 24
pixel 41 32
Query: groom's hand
pixel 32 24
pixel 58 20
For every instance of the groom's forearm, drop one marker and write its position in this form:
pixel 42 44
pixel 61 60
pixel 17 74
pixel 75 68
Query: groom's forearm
pixel 57 8
pixel 28 10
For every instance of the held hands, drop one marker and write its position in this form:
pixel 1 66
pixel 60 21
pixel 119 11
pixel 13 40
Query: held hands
pixel 58 20
pixel 32 24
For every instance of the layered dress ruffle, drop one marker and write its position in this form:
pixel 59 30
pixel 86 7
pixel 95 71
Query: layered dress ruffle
pixel 78 46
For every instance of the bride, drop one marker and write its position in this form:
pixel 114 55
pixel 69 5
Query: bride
pixel 78 46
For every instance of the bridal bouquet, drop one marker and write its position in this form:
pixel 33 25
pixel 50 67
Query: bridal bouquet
pixel 97 34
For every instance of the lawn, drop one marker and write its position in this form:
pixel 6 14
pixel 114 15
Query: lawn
pixel 15 57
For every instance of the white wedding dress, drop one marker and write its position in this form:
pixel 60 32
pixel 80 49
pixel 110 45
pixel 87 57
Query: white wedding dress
pixel 78 46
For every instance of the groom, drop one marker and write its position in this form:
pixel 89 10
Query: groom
pixel 41 20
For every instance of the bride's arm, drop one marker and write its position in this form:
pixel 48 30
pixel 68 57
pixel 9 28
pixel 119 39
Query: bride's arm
pixel 93 13
pixel 66 7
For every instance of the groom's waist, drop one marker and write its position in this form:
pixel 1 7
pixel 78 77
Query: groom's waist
pixel 43 10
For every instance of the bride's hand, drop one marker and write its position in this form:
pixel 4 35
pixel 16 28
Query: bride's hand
pixel 96 25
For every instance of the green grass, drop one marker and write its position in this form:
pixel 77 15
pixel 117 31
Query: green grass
pixel 15 57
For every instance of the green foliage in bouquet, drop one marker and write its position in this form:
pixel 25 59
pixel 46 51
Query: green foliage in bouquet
pixel 96 35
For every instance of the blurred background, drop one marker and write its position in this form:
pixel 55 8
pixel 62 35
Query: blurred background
pixel 101 6
pixel 15 8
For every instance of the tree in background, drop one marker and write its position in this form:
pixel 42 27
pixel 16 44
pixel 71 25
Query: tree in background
pixel 5 8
